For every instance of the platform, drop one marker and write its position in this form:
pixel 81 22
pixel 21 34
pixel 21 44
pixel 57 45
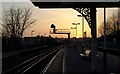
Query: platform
pixel 69 61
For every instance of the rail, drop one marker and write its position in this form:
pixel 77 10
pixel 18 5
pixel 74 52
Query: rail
pixel 29 65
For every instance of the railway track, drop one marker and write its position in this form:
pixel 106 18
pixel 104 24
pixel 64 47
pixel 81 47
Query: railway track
pixel 34 64
pixel 22 57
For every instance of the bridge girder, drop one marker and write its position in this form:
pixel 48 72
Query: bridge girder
pixel 85 13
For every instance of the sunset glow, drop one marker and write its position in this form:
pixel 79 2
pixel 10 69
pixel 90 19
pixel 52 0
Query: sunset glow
pixel 61 37
pixel 61 17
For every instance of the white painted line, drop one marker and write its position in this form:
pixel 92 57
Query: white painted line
pixel 48 65
pixel 63 66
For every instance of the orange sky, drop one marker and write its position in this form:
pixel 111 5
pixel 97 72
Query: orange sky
pixel 61 17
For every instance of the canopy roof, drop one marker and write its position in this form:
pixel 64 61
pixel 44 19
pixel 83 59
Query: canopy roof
pixel 76 4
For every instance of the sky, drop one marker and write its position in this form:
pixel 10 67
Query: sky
pixel 61 17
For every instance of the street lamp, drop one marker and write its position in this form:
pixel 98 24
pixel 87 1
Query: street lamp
pixel 73 30
pixel 82 31
pixel 76 33
pixel 76 27
pixel 82 23
pixel 32 33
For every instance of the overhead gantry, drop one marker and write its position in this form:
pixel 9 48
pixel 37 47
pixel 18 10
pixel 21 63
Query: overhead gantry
pixel 60 31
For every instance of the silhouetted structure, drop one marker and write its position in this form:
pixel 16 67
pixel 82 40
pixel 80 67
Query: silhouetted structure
pixel 27 43
pixel 53 26
pixel 60 31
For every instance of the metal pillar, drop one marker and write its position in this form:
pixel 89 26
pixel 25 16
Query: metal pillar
pixel 104 53
pixel 94 35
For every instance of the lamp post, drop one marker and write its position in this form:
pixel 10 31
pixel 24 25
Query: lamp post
pixel 73 30
pixel 32 33
pixel 82 23
pixel 76 33
pixel 82 31
pixel 76 27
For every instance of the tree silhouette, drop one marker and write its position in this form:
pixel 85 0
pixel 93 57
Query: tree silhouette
pixel 14 22
pixel 112 24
